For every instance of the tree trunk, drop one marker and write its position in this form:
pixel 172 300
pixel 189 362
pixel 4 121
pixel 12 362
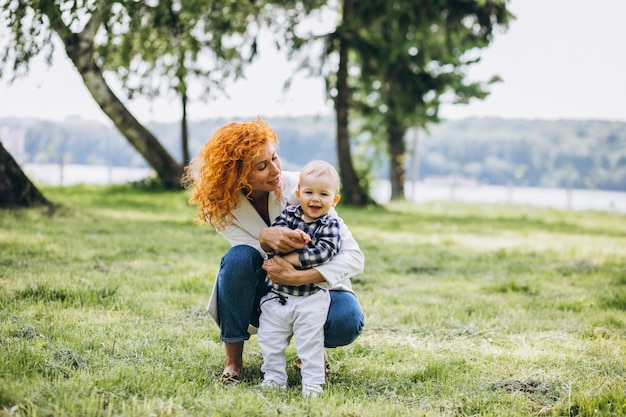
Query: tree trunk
pixel 415 165
pixel 352 192
pixel 185 132
pixel 397 153
pixel 80 49
pixel 16 190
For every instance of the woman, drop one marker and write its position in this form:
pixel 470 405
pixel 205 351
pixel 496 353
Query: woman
pixel 240 188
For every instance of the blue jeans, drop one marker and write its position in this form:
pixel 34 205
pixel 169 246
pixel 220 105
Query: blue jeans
pixel 241 284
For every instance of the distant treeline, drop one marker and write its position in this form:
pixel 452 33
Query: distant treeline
pixel 536 153
pixel 562 153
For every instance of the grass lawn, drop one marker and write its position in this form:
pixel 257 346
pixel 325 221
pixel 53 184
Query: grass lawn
pixel 471 310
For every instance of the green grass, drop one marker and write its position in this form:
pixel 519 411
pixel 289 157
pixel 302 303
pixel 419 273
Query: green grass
pixel 471 310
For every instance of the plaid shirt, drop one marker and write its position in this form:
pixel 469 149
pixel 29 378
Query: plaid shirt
pixel 325 243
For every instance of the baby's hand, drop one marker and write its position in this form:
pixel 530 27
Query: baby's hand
pixel 306 238
pixel 269 262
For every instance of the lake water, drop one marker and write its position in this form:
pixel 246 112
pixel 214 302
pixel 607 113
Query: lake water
pixel 69 174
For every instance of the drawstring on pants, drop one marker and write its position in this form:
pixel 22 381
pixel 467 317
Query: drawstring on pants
pixel 281 298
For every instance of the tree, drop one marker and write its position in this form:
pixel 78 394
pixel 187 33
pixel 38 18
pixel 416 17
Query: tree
pixel 33 26
pixel 177 43
pixel 413 57
pixel 393 63
pixel 139 41
pixel 16 190
pixel 354 193
pixel 333 63
pixel 161 38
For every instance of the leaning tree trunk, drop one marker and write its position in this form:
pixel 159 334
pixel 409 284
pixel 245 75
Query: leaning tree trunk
pixel 16 190
pixel 80 49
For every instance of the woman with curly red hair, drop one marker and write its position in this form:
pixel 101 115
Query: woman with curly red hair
pixel 239 187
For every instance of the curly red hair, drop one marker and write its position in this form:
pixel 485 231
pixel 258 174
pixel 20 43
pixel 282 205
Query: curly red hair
pixel 219 174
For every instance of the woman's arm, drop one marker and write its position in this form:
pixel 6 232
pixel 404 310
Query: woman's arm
pixel 281 272
pixel 348 262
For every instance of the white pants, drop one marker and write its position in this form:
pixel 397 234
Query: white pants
pixel 303 317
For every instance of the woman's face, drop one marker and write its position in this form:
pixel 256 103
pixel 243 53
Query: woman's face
pixel 265 173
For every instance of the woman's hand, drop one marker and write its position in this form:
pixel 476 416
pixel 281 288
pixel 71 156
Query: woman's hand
pixel 282 239
pixel 281 272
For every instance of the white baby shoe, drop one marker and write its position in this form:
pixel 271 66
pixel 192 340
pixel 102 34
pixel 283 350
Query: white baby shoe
pixel 271 384
pixel 311 391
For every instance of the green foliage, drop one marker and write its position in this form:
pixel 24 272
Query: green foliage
pixel 470 310
pixel 173 43
pixel 149 46
pixel 407 59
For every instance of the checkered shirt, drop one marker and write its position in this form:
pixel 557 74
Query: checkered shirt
pixel 325 243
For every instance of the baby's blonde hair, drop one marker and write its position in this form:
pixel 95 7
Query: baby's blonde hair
pixel 318 168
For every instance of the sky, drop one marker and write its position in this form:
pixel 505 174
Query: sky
pixel 559 59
